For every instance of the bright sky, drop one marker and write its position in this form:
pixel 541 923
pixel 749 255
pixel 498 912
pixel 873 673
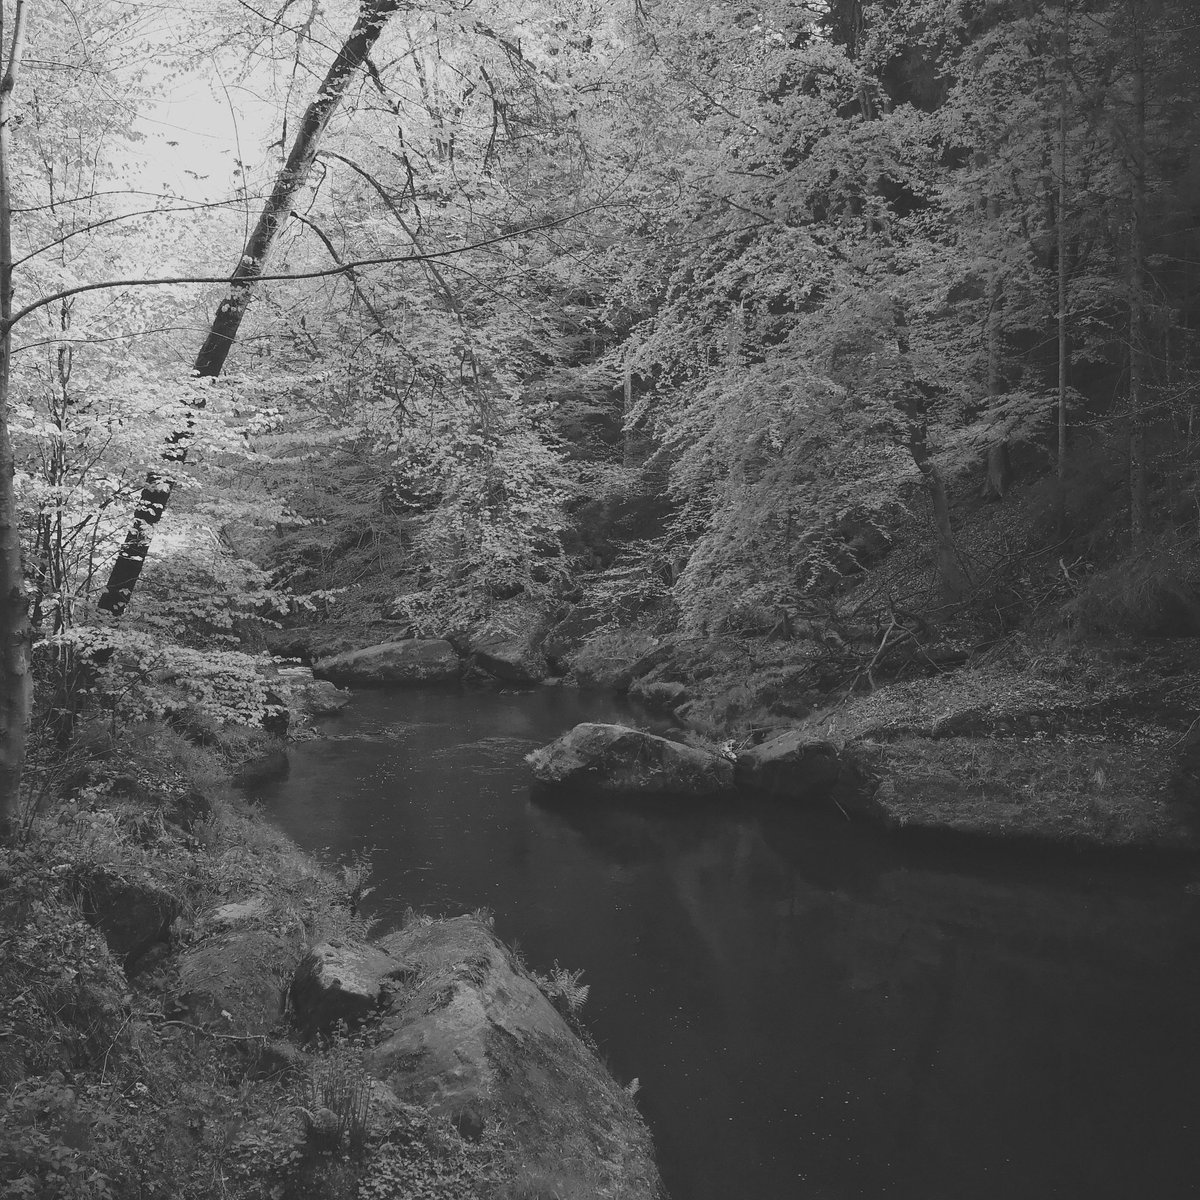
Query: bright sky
pixel 197 134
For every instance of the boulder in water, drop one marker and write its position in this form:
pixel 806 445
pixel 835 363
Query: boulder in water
pixel 615 758
pixel 793 766
pixel 414 661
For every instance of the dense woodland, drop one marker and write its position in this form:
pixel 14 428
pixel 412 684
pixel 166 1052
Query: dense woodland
pixel 808 346
pixel 690 314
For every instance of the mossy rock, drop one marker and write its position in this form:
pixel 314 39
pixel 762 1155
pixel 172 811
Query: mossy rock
pixel 236 983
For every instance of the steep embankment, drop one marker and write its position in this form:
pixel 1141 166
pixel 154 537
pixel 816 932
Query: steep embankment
pixel 185 996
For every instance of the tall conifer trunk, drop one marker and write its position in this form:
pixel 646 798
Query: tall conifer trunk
pixel 1060 239
pixel 156 492
pixel 998 476
pixel 14 610
pixel 1139 506
pixel 911 400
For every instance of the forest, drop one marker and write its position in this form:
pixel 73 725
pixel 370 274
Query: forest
pixel 757 361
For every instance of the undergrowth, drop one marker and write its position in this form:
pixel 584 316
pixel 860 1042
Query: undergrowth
pixel 104 1093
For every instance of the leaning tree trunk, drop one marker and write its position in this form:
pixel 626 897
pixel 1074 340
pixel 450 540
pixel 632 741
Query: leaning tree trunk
pixel 373 14
pixel 14 610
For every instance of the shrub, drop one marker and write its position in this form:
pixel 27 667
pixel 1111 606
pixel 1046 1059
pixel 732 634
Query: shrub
pixel 1155 592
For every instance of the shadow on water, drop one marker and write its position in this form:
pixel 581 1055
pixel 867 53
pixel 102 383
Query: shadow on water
pixel 812 1010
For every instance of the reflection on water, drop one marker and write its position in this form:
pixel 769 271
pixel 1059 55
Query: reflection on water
pixel 811 1010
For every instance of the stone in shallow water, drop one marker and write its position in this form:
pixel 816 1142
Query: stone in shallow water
pixel 794 766
pixel 615 758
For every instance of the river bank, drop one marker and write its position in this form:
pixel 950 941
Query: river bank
pixel 812 1006
pixel 1073 744
pixel 156 1034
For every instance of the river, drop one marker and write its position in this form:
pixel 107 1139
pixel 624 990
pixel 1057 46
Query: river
pixel 812 1010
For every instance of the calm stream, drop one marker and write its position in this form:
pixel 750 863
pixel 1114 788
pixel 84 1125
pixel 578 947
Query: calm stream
pixel 812 1011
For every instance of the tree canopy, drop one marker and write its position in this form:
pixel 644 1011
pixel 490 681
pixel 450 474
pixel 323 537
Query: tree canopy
pixel 619 302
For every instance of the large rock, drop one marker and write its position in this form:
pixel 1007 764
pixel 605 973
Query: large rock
pixel 415 661
pixel 793 766
pixel 507 644
pixel 475 1039
pixel 341 981
pixel 614 758
pixel 252 911
pixel 234 982
pixel 305 696
pixel 612 662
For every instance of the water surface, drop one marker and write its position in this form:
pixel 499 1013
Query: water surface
pixel 811 1010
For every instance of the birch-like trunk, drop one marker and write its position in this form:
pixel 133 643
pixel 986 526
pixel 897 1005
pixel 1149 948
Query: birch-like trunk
pixel 156 492
pixel 15 684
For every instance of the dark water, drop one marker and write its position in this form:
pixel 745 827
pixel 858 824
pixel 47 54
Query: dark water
pixel 812 1011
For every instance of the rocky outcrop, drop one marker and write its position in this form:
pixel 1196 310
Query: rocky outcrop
pixel 468 1033
pixel 415 661
pixel 1090 795
pixel 296 697
pixel 617 759
pixel 793 766
pixel 342 982
pixel 997 753
pixel 613 665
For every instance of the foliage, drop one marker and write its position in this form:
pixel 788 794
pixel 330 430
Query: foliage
pixel 138 677
pixel 1156 592
pixel 339 1105
pixel 563 988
